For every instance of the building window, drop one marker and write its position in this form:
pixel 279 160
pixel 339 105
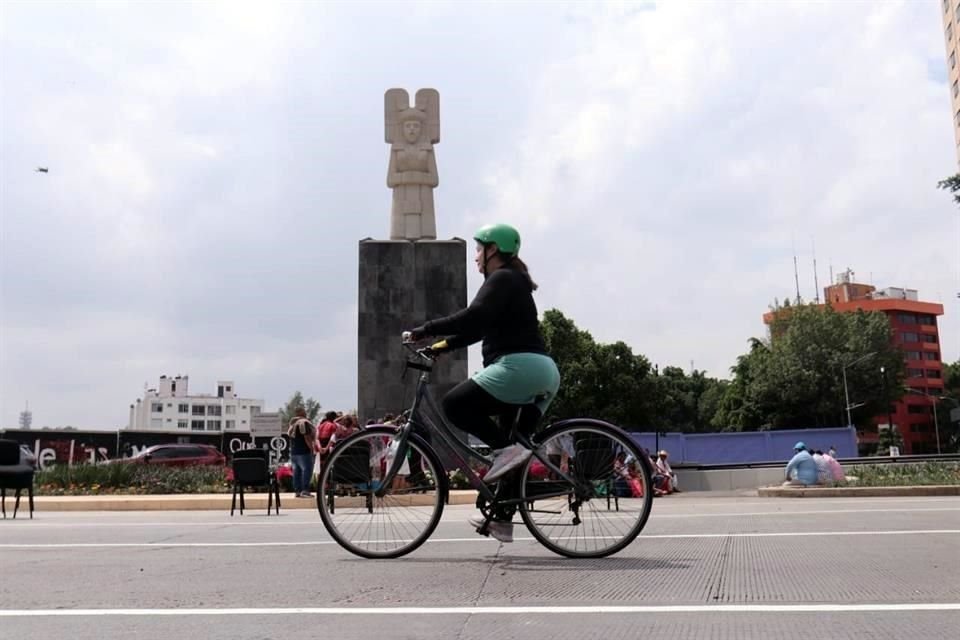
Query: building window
pixel 927 320
pixel 918 408
pixel 196 425
pixel 907 337
pixel 933 373
pixel 914 373
pixel 254 409
pixel 198 409
pixel 213 425
pixel 231 424
pixel 912 355
pixel 213 410
pixel 156 407
pixel 956 88
pixel 930 338
pixel 953 59
pixel 931 355
pixel 231 409
pixel 182 424
pixel 949 32
pixel 183 408
pixel 907 318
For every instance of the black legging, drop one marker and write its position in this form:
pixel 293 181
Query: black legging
pixel 469 407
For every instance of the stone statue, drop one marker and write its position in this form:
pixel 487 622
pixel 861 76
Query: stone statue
pixel 412 174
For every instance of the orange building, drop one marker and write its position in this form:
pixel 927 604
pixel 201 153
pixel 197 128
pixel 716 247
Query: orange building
pixel 915 332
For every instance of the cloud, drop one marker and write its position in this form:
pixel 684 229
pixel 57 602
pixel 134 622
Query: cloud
pixel 212 167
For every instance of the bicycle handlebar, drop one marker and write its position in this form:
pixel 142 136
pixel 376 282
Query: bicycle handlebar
pixel 426 353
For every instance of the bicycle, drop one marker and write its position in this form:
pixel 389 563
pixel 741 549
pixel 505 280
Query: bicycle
pixel 383 489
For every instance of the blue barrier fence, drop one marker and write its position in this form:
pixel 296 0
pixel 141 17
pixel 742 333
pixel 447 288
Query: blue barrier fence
pixel 753 446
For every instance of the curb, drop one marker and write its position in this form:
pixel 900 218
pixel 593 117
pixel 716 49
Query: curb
pixel 203 502
pixel 858 492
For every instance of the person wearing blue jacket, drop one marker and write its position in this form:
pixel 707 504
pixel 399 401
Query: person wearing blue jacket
pixel 801 471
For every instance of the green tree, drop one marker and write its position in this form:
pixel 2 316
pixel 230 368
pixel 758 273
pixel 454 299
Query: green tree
pixel 951 184
pixel 604 381
pixel 796 379
pixel 889 438
pixel 311 406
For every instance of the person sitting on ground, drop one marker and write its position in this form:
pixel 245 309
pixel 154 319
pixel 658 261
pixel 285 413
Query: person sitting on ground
pixel 664 467
pixel 661 482
pixel 823 467
pixel 836 470
pixel 801 471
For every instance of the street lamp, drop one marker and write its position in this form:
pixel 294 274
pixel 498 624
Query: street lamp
pixel 846 394
pixel 933 401
pixel 890 425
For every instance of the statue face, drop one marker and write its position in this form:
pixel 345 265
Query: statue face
pixel 411 131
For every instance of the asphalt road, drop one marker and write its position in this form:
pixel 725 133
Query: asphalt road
pixel 705 567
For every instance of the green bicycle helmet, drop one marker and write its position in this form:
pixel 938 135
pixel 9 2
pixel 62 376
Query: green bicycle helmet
pixel 505 237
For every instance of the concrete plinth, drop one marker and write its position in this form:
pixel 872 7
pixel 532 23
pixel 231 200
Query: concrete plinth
pixel 403 284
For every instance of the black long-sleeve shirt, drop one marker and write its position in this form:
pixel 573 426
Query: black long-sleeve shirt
pixel 503 314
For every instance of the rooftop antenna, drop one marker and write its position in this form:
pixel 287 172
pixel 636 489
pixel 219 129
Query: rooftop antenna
pixel 796 274
pixel 816 284
pixel 830 262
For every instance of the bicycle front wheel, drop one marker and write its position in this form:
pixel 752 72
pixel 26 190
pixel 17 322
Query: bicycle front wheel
pixel 395 523
pixel 607 503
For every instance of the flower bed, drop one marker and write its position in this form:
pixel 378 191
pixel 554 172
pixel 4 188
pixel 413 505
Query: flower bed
pixel 901 475
pixel 137 479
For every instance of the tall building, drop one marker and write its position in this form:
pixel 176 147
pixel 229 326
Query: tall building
pixel 916 333
pixel 951 35
pixel 172 408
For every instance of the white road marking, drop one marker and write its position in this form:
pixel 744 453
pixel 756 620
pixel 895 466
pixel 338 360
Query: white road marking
pixel 679 536
pixel 520 610
pixel 655 515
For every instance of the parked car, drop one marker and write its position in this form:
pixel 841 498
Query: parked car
pixel 178 455
pixel 27 457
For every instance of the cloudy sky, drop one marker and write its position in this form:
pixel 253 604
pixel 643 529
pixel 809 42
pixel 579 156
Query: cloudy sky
pixel 212 167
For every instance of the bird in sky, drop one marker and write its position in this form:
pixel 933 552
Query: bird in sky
pixel 42 170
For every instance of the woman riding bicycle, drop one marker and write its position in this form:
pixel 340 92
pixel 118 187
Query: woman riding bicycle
pixel 517 375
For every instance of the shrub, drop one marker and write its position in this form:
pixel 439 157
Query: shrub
pixel 895 475
pixel 91 479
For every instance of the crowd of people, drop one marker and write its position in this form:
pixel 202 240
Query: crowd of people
pixel 311 445
pixel 627 470
pixel 809 467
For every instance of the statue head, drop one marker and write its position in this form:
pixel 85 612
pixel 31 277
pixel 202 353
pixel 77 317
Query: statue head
pixel 411 124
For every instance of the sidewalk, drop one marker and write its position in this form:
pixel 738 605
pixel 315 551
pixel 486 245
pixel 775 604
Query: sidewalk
pixel 186 502
pixel 859 492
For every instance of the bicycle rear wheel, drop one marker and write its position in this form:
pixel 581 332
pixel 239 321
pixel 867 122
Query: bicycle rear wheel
pixel 606 506
pixel 396 523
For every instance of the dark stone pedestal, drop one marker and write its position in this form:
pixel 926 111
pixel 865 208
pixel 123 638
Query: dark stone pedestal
pixel 403 284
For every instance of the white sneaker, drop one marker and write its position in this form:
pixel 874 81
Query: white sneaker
pixel 505 460
pixel 502 531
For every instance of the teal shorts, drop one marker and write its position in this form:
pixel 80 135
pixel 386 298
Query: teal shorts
pixel 521 378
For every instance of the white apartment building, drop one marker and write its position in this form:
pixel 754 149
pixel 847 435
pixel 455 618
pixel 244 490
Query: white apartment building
pixel 172 408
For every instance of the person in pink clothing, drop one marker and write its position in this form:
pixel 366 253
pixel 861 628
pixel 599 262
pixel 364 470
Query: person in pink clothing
pixel 836 470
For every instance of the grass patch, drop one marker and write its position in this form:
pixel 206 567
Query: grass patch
pixel 136 479
pixel 905 475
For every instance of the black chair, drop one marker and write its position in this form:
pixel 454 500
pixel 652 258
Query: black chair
pixel 351 474
pixel 594 463
pixel 251 468
pixel 14 475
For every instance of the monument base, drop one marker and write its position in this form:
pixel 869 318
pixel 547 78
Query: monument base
pixel 402 285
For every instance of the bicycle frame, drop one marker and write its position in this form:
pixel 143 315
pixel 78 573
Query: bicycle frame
pixel 461 451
